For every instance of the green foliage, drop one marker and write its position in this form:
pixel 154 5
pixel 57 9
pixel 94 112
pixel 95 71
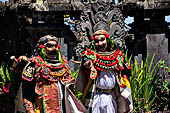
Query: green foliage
pixel 128 60
pixel 145 80
pixel 74 74
pixel 9 81
pixel 166 86
pixel 78 94
pixel 143 84
pixel 162 100
pixel 5 74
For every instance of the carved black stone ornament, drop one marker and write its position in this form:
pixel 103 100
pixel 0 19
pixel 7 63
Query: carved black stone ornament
pixel 100 15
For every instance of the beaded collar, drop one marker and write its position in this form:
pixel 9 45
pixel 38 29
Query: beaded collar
pixel 105 60
pixel 52 70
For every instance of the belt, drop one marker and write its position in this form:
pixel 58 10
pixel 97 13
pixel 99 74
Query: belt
pixel 104 90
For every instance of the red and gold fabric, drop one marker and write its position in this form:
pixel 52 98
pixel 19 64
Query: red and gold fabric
pixel 42 85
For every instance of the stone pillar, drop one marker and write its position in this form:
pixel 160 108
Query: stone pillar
pixel 63 47
pixel 158 44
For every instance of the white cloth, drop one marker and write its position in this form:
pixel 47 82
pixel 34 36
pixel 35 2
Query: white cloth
pixel 73 105
pixel 105 103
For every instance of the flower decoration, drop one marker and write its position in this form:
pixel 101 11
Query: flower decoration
pixel 58 46
pixel 107 35
pixel 92 37
pixel 41 46
pixel 121 68
pixel 83 52
pixel 128 67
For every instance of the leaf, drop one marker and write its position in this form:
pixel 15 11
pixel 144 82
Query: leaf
pixel 140 74
pixel 150 66
pixel 136 66
pixel 2 73
pixel 126 58
pixel 3 83
pixel 141 66
pixel 74 74
pixel 7 74
pixel 165 85
pixel 144 81
pixel 142 86
pixel 129 61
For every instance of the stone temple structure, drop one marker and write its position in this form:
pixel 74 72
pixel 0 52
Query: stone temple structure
pixel 22 22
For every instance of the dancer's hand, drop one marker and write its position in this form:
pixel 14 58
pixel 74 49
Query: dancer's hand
pixel 87 64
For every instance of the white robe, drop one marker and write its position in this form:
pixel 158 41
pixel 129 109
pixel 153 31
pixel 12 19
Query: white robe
pixel 105 103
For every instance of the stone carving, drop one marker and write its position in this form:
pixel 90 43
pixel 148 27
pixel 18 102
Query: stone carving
pixel 100 15
pixel 40 5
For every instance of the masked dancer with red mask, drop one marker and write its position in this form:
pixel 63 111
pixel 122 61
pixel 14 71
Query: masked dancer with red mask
pixel 45 77
pixel 105 87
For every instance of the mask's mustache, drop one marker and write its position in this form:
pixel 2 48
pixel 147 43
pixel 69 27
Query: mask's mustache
pixel 53 52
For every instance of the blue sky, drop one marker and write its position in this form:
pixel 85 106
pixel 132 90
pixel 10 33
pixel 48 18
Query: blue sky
pixel 3 0
pixel 131 19
pixel 167 18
